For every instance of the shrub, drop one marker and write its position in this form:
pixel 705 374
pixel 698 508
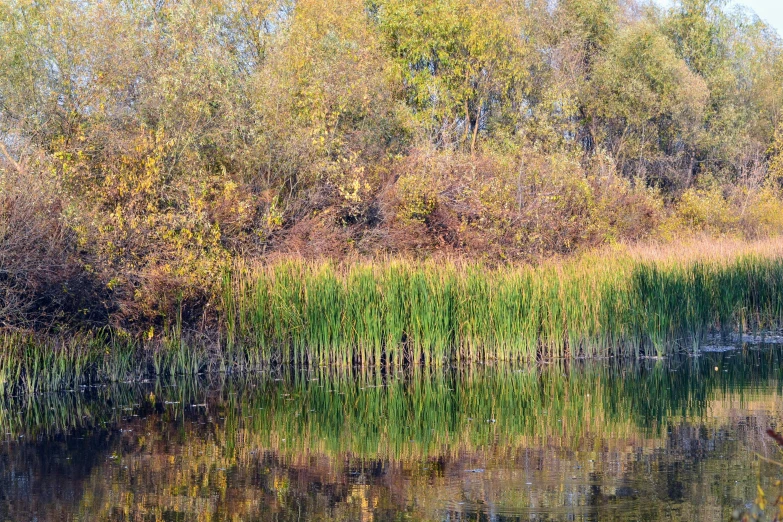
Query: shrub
pixel 748 211
pixel 42 281
pixel 416 197
pixel 159 235
pixel 762 213
pixel 706 209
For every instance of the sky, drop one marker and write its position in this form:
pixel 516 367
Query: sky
pixel 771 11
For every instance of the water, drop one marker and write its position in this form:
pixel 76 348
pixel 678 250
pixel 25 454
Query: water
pixel 674 439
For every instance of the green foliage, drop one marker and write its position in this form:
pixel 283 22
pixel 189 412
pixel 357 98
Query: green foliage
pixel 735 55
pixel 647 98
pixel 458 60
pixel 175 137
pixel 434 313
pixel 596 19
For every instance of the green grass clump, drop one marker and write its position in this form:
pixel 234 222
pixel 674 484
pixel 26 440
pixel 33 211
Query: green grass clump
pixel 403 313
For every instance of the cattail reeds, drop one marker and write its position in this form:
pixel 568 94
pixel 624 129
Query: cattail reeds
pixel 405 313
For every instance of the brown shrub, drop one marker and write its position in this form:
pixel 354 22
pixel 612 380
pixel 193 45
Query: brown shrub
pixel 536 205
pixel 42 282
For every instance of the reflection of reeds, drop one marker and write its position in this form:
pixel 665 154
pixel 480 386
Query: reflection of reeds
pixel 432 313
pixel 367 413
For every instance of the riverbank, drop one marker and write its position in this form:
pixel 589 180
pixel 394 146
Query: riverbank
pixel 631 302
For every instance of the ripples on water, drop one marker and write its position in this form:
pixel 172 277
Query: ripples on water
pixel 673 439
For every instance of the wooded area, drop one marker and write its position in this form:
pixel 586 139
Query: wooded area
pixel 146 145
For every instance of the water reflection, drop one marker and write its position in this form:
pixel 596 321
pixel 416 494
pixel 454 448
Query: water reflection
pixel 600 440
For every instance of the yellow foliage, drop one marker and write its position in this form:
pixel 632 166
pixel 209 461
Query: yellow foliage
pixel 763 214
pixel 416 197
pixel 706 209
pixel 182 134
pixel 747 211
pixel 146 223
pixel 776 158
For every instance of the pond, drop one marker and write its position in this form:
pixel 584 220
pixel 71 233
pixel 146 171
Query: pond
pixel 681 438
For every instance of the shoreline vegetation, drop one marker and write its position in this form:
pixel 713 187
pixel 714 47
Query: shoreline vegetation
pixel 401 314
pixel 432 313
pixel 191 186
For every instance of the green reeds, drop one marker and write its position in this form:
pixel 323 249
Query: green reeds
pixel 402 313
pixel 31 364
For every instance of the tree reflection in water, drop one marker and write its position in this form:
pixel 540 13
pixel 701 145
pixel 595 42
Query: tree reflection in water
pixel 599 440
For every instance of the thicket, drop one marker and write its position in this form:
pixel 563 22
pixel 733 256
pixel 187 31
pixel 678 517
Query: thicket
pixel 145 146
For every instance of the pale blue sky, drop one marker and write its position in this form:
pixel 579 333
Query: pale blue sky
pixel 771 11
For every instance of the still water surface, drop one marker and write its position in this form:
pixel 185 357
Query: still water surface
pixel 674 439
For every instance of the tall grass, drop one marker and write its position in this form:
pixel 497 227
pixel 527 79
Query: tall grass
pixel 31 364
pixel 400 314
pixel 433 313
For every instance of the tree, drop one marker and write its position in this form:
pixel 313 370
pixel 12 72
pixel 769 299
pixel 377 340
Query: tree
pixel 649 106
pixel 459 62
pixel 737 56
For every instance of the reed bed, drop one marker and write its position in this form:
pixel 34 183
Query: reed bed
pixel 31 364
pixel 432 314
pixel 401 314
